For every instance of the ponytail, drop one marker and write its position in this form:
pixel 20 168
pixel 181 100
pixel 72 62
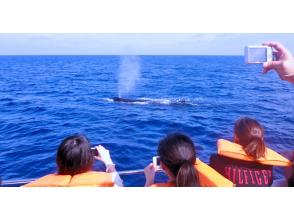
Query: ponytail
pixel 178 155
pixel 249 134
pixel 255 148
pixel 187 176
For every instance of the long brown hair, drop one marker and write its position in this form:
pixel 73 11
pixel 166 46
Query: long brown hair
pixel 177 153
pixel 250 135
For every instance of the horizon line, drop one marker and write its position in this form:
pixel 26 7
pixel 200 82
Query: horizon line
pixel 121 55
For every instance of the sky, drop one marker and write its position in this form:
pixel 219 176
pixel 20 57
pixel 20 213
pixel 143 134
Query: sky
pixel 136 44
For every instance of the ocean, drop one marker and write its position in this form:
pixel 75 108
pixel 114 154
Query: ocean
pixel 44 99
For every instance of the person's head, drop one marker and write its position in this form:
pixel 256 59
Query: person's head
pixel 249 134
pixel 74 155
pixel 177 158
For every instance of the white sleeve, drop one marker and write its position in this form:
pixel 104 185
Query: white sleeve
pixel 116 179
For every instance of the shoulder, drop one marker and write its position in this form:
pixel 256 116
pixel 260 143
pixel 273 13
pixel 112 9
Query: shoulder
pixel 53 180
pixel 92 178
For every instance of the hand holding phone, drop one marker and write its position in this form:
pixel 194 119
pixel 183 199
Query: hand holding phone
pixel 149 172
pixel 283 64
pixel 104 155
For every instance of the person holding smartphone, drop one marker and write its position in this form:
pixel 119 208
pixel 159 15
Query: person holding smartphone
pixel 284 65
pixel 177 159
pixel 74 160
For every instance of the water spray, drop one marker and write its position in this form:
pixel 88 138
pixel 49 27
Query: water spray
pixel 129 74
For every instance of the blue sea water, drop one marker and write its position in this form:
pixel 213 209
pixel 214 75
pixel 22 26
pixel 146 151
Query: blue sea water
pixel 43 99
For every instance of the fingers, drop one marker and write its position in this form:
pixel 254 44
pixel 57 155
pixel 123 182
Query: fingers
pixel 265 68
pixel 104 155
pixel 149 174
pixel 271 65
pixel 149 167
pixel 97 158
pixel 276 55
pixel 100 147
pixel 278 46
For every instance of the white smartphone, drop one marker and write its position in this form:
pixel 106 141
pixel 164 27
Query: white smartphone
pixel 258 54
pixel 156 162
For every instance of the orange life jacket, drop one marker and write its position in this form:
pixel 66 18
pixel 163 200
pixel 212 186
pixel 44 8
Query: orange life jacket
pixel 168 184
pixel 208 177
pixel 90 178
pixel 235 151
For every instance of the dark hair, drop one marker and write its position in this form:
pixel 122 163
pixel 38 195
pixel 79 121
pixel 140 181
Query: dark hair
pixel 74 155
pixel 177 152
pixel 249 135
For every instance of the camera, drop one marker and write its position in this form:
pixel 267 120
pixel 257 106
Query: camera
pixel 156 162
pixel 258 54
pixel 95 151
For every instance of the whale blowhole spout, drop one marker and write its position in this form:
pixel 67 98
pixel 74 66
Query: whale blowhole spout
pixel 128 75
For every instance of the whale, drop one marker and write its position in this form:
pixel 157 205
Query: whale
pixel 152 101
pixel 118 99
